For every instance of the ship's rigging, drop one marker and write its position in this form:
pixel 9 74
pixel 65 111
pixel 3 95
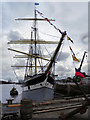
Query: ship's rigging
pixel 34 55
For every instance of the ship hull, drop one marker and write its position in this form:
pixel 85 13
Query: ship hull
pixel 39 88
pixel 39 94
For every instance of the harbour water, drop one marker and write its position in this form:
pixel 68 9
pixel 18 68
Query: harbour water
pixel 5 92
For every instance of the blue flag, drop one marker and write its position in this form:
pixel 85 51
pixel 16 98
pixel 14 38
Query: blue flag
pixel 36 3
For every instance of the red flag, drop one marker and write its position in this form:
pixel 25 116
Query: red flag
pixel 78 73
pixel 47 19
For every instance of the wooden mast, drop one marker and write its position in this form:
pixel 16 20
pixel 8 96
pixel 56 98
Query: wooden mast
pixel 30 68
pixel 35 43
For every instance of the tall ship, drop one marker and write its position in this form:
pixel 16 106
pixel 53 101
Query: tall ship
pixel 38 83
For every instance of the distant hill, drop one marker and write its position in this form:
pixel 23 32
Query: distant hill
pixel 5 82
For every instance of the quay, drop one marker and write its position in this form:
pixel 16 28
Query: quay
pixel 29 109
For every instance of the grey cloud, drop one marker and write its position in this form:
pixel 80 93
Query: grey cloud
pixel 7 71
pixel 63 71
pixel 86 69
pixel 12 10
pixel 14 35
pixel 85 39
pixel 19 63
pixel 63 56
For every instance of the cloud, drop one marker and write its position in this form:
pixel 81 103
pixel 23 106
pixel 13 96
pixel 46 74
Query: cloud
pixel 63 56
pixel 19 62
pixel 12 10
pixel 14 35
pixel 86 69
pixel 71 17
pixel 62 68
pixel 6 59
pixel 64 71
pixel 85 39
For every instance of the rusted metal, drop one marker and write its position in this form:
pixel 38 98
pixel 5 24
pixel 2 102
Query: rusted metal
pixel 81 109
pixel 74 80
pixel 58 101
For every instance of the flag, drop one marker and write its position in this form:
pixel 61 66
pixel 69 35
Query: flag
pixel 36 3
pixel 72 50
pixel 78 73
pixel 47 19
pixel 68 38
pixel 74 58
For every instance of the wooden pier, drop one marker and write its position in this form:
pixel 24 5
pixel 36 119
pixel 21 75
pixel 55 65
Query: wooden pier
pixel 47 109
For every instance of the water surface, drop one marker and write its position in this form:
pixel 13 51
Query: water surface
pixel 5 92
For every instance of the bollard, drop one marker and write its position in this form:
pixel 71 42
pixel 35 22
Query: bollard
pixel 26 109
pixel 9 100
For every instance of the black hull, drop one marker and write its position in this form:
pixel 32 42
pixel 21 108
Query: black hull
pixel 38 79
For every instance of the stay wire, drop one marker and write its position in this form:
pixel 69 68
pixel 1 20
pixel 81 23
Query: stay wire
pixel 13 67
pixel 49 34
pixel 39 50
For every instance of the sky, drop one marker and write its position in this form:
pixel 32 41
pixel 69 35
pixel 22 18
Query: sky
pixel 71 17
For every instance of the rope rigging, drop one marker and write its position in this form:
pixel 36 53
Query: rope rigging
pixel 13 67
pixel 49 34
pixel 40 52
pixel 49 21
